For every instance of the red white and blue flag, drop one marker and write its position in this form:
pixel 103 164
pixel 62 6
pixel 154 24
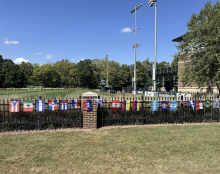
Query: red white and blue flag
pixel 14 106
pixel 52 105
pixel 87 104
pixel 199 104
pixel 164 105
pixel 75 103
pixel 184 102
pixel 63 104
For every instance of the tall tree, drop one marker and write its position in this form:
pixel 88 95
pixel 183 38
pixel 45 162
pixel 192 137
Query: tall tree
pixel 200 48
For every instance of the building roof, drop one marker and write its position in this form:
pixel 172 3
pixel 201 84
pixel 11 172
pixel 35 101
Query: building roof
pixel 178 39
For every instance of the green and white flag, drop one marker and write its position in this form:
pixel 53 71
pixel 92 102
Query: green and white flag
pixel 27 106
pixel 207 103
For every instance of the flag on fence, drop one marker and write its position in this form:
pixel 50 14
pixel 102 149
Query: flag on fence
pixel 173 105
pixel 148 103
pixel 126 105
pixel 63 104
pixel 164 105
pixel 99 101
pixel 27 105
pixel 199 104
pixel 87 104
pixel 107 101
pixel 52 105
pixel 184 102
pixel 14 106
pixel 135 105
pixel 207 103
pixel 192 104
pixel 75 103
pixel 154 105
pixel 40 105
pixel 115 104
pixel 215 103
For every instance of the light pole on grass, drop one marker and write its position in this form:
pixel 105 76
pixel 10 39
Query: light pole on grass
pixel 151 3
pixel 135 45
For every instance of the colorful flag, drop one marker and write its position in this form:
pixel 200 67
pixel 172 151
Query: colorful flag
pixel 207 103
pixel 63 104
pixel 14 106
pixel 215 103
pixel 154 105
pixel 164 105
pixel 107 101
pixel 173 105
pixel 99 101
pixel 75 103
pixel 135 105
pixel 199 104
pixel 27 105
pixel 184 103
pixel 40 105
pixel 87 104
pixel 126 105
pixel 115 104
pixel 192 104
pixel 52 105
pixel 148 103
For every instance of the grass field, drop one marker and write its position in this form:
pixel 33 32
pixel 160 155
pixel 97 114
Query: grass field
pixel 56 93
pixel 145 149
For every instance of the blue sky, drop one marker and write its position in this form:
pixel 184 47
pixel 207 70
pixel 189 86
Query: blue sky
pixel 39 31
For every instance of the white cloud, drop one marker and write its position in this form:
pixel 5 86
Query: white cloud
pixel 49 56
pixel 38 54
pixel 19 60
pixel 11 42
pixel 80 60
pixel 72 60
pixel 126 30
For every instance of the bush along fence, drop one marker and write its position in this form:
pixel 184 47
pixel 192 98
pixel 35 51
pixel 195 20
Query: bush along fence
pixel 16 115
pixel 32 114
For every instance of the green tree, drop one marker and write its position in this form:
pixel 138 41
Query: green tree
pixel 200 48
pixel 85 74
pixel 124 75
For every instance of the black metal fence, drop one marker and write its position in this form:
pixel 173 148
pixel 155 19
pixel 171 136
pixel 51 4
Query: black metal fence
pixel 183 114
pixel 21 121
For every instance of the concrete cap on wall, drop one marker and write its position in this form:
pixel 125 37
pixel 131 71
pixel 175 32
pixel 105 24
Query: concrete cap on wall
pixel 89 94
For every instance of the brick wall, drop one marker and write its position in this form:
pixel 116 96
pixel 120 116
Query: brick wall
pixel 90 117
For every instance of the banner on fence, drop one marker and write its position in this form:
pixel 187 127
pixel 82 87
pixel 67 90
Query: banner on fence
pixel 164 94
pixel 151 94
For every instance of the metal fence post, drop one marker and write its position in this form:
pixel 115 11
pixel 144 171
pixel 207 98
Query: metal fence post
pixel 40 115
pixel 218 109
pixel 142 109
pixel 181 110
pixel 80 117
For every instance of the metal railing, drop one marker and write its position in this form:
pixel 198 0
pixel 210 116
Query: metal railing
pixel 183 114
pixel 35 120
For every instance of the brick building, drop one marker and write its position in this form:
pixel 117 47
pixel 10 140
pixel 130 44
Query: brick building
pixel 193 87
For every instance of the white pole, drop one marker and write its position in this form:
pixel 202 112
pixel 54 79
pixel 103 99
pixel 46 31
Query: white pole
pixel 135 54
pixel 155 51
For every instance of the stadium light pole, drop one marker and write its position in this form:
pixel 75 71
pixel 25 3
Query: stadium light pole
pixel 135 45
pixel 151 3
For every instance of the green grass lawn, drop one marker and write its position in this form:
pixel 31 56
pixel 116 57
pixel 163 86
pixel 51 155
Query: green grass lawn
pixel 146 149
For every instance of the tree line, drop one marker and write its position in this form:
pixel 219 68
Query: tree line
pixel 84 74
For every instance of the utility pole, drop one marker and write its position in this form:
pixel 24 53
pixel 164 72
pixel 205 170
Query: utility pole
pixel 107 70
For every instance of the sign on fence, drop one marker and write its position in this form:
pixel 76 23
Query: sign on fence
pixel 164 94
pixel 151 94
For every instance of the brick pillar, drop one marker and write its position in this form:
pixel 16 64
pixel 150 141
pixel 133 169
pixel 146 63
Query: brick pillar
pixel 90 117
